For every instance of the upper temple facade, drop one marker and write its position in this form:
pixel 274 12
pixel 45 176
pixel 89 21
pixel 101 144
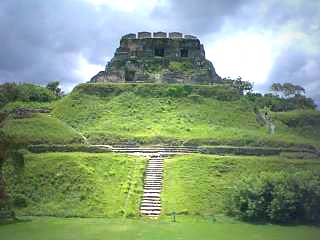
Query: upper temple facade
pixel 159 58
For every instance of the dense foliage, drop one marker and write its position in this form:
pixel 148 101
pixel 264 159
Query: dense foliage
pixel 280 104
pixel 281 197
pixel 25 92
pixel 199 184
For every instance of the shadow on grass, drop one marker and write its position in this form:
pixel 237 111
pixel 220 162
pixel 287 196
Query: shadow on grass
pixel 13 221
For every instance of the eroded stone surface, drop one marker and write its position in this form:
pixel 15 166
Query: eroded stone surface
pixel 159 58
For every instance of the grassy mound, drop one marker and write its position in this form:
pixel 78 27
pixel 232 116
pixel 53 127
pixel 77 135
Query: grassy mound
pixel 40 128
pixel 171 114
pixel 76 184
pixel 306 123
pixel 198 184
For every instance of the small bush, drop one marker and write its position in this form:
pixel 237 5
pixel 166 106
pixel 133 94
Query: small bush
pixel 19 201
pixel 277 197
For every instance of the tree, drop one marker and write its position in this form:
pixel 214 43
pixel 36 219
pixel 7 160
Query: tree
pixel 4 149
pixel 54 87
pixel 287 89
pixel 243 86
pixel 277 88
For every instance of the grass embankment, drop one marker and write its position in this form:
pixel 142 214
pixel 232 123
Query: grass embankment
pixel 76 184
pixel 197 184
pixel 186 228
pixel 155 114
pixel 40 128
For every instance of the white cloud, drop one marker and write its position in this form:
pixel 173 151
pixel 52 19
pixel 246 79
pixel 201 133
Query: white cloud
pixel 144 6
pixel 249 55
pixel 85 70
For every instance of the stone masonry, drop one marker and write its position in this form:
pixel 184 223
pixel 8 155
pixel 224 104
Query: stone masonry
pixel 159 57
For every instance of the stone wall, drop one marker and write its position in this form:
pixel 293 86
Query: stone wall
pixel 159 57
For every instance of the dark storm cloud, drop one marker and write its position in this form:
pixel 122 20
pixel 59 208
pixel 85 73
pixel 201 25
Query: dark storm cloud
pixel 199 17
pixel 41 40
pixel 298 67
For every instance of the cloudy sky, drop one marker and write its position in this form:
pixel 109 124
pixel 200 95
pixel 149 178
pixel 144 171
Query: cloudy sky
pixel 263 41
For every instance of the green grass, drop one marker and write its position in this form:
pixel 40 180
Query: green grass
pixel 113 113
pixel 185 228
pixel 306 123
pixel 197 184
pixel 76 184
pixel 40 128
pixel 30 105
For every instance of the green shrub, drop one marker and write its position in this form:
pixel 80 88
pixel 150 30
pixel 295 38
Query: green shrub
pixel 20 201
pixel 277 197
pixel 26 92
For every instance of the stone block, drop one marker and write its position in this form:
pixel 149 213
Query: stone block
pixel 130 36
pixel 144 35
pixel 160 35
pixel 190 37
pixel 175 35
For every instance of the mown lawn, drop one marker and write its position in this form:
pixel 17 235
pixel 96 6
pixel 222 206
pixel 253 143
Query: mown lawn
pixel 76 184
pixel 185 228
pixel 197 184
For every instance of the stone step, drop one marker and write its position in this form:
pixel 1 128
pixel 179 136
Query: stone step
pixel 154 200
pixel 150 209
pixel 150 212
pixel 156 150
pixel 158 206
pixel 152 188
pixel 150 201
pixel 146 191
pixel 150 196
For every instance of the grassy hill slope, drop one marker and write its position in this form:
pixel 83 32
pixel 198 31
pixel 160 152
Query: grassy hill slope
pixel 198 184
pixel 174 114
pixel 40 128
pixel 76 184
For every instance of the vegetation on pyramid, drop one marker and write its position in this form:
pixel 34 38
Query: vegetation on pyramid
pixel 76 184
pixel 159 58
pixel 217 119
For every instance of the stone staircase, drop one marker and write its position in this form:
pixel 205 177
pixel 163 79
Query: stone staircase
pixel 151 202
pixel 150 150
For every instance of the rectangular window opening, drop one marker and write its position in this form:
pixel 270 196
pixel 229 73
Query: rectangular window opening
pixel 184 52
pixel 159 52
